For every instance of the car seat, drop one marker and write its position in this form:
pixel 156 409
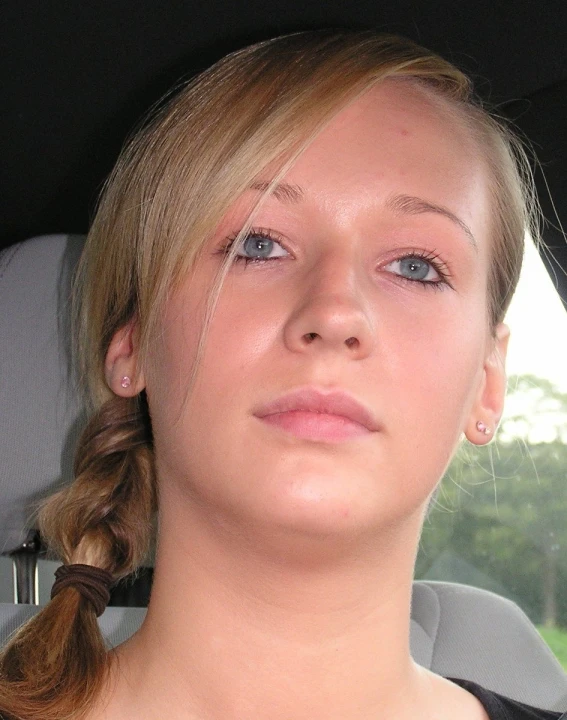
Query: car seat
pixel 456 630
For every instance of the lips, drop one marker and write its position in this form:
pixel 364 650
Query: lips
pixel 334 402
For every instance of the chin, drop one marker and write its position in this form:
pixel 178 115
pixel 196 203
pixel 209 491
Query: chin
pixel 321 506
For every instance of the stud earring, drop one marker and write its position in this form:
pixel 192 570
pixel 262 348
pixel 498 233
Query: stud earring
pixel 481 427
pixel 125 381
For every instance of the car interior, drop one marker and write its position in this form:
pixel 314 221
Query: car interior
pixel 77 78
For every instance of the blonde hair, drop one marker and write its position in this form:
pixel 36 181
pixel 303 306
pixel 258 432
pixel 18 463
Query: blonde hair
pixel 173 182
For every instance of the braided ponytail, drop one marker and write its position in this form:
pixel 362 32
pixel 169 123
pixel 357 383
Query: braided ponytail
pixel 57 663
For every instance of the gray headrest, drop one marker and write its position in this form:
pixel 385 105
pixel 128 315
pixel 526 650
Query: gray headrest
pixel 38 436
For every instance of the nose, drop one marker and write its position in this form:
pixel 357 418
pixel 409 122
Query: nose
pixel 332 313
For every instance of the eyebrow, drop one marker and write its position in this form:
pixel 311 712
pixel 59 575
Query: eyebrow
pixel 281 191
pixel 401 204
pixel 410 205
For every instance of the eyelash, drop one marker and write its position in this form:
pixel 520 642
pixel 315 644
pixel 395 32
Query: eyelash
pixel 429 257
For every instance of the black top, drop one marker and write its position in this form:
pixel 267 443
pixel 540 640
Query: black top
pixel 499 707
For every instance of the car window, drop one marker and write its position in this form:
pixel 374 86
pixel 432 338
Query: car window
pixel 499 518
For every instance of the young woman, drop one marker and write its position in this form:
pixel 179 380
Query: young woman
pixel 289 316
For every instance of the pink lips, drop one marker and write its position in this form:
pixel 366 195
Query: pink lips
pixel 312 414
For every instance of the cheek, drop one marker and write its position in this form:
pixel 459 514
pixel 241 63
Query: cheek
pixel 435 369
pixel 243 342
pixel 235 351
pixel 171 359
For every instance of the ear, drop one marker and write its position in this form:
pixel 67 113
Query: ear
pixel 123 376
pixel 489 404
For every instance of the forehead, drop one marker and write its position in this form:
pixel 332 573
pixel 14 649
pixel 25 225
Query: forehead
pixel 394 116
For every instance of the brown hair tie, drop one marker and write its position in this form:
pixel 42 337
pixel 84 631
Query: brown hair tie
pixel 91 582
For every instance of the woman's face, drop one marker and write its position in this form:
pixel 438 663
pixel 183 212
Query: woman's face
pixel 376 284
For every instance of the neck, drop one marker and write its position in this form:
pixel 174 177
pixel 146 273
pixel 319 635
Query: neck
pixel 274 626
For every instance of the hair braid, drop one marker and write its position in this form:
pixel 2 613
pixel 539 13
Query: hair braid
pixel 55 665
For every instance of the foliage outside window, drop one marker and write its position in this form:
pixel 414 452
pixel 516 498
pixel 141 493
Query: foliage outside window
pixel 499 520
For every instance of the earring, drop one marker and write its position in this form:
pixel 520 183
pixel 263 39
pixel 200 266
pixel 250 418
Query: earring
pixel 481 427
pixel 125 381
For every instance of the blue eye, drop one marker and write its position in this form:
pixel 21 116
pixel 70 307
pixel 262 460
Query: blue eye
pixel 420 269
pixel 257 247
pixel 416 268
pixel 258 243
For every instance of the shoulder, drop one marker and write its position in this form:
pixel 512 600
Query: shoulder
pixel 499 707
